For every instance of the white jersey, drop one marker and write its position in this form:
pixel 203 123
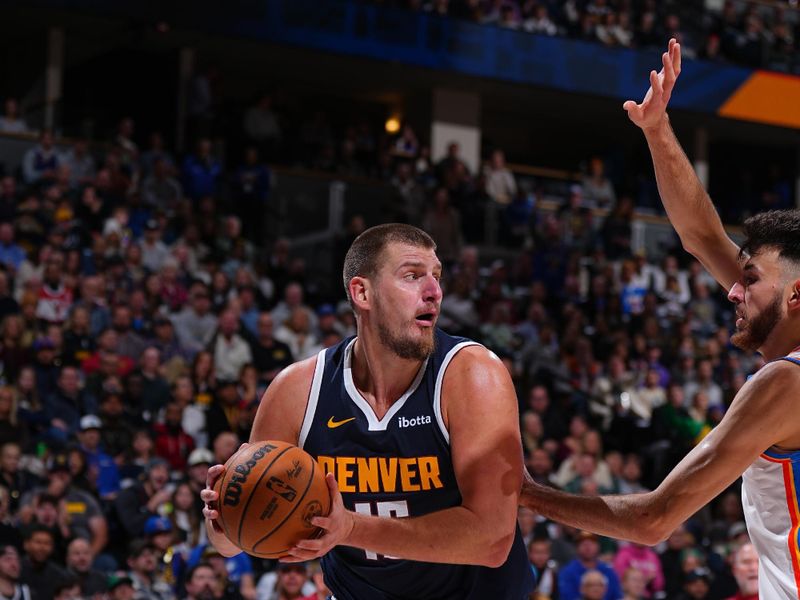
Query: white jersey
pixel 769 497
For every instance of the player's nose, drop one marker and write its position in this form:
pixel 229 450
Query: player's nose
pixel 736 293
pixel 432 291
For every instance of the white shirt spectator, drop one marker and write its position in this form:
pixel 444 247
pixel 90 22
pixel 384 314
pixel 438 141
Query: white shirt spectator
pixel 230 355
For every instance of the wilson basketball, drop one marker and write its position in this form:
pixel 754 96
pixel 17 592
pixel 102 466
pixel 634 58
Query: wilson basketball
pixel 268 495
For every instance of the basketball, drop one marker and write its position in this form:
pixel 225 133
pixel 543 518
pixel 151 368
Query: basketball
pixel 268 495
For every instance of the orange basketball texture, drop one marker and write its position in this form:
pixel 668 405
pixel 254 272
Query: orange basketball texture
pixel 268 495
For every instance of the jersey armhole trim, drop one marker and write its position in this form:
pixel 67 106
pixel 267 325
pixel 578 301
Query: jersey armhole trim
pixel 313 398
pixel 437 390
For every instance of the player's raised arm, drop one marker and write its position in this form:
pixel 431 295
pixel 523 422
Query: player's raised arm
pixel 688 206
pixel 755 421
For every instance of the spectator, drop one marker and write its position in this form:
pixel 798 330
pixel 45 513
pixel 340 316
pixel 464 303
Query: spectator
pixel 39 571
pixel 154 251
pixel 443 222
pixel 11 254
pixel 11 430
pixel 201 582
pixel 262 126
pixel 202 172
pixel 84 518
pixel 227 412
pixel 195 325
pixel 79 344
pixel 143 565
pixel 231 351
pixel 251 189
pixel 116 432
pixel 10 574
pixel 155 152
pixel 546 569
pixel 288 582
pixel 54 297
pixel 321 591
pixel 569 578
pixel 11 121
pixel 108 482
pixel 79 567
pixel 539 21
pixel 705 383
pixel 270 355
pixel 135 504
pixel 186 515
pixel 172 443
pixel 160 190
pixel 81 165
pixel 298 335
pixel 65 407
pixel 13 479
pixel 155 388
pixel 745 570
pixel 594 585
pixel 644 560
pixel 697 585
pixel 633 584
pixel 235 573
pixel 120 587
pixel 193 420
pixel 292 298
pixel 500 183
pixel 40 163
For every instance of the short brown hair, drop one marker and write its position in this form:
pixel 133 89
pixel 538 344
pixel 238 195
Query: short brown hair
pixel 779 229
pixel 364 256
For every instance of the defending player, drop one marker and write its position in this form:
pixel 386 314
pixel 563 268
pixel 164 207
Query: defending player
pixel 414 423
pixel 759 436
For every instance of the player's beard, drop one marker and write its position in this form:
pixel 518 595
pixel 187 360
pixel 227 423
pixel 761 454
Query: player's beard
pixel 754 333
pixel 404 346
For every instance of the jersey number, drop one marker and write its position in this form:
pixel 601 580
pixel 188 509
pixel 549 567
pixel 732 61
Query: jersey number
pixel 394 509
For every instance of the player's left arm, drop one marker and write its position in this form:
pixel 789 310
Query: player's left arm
pixel 761 416
pixel 480 412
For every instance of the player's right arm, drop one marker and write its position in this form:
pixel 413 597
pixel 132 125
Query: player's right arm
pixel 756 421
pixel 688 206
pixel 279 417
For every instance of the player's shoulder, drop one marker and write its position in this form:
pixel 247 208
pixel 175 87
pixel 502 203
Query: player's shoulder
pixel 777 373
pixel 473 356
pixel 296 375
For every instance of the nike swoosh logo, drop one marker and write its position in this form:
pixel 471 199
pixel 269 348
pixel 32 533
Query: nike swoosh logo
pixel 334 424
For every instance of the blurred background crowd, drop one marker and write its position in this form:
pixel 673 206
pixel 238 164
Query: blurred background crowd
pixel 147 301
pixel 755 34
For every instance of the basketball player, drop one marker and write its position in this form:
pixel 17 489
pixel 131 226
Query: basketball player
pixel 759 436
pixel 413 423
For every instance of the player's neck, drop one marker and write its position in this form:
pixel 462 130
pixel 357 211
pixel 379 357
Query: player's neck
pixel 379 374
pixel 776 348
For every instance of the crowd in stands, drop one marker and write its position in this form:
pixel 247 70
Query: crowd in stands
pixel 144 308
pixel 753 34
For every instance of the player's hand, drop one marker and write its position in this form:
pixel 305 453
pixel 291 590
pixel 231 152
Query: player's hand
pixel 210 497
pixel 337 527
pixel 650 113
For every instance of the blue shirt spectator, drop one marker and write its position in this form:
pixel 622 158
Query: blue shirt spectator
pixel 201 172
pixel 108 480
pixel 11 254
pixel 569 578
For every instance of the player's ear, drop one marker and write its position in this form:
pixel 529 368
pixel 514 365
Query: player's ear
pixel 360 292
pixel 793 304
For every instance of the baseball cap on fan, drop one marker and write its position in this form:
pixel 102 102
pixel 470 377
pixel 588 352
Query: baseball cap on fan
pixel 90 422
pixel 200 456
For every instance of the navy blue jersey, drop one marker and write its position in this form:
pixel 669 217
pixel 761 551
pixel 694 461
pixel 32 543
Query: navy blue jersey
pixel 397 466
